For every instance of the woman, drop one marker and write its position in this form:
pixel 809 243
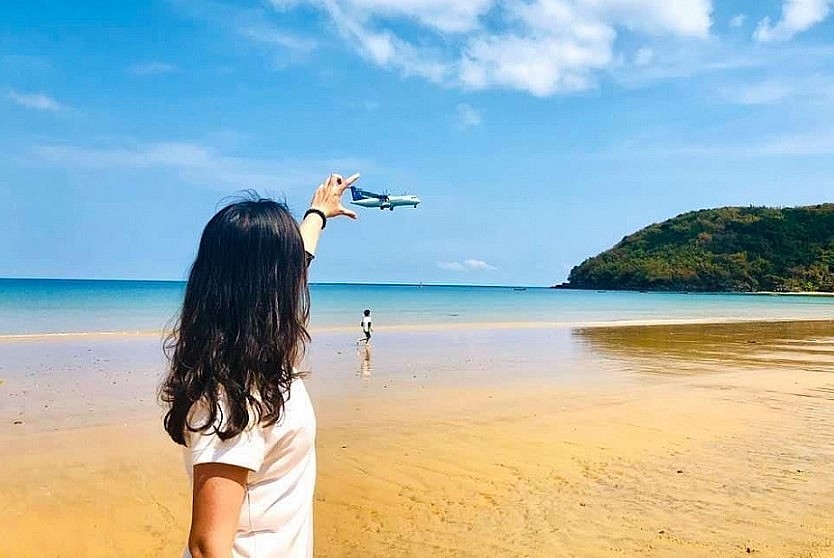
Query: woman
pixel 234 398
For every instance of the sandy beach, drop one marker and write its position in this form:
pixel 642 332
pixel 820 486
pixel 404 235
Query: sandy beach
pixel 662 440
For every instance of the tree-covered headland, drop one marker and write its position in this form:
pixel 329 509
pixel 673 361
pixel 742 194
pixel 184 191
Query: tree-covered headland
pixel 736 249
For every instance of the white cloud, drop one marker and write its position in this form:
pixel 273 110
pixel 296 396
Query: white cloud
pixel 797 16
pixel 798 92
pixel 383 47
pixel 802 144
pixel 738 20
pixel 270 36
pixel 251 21
pixel 37 101
pixel 451 266
pixel 540 66
pixel 686 18
pixel 199 164
pixel 466 265
pixel 478 265
pixel 540 46
pixel 152 68
pixel 468 116
pixel 445 15
pixel 643 57
pixel 764 93
pixel 672 60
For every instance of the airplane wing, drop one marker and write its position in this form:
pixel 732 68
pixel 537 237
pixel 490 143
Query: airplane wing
pixel 367 194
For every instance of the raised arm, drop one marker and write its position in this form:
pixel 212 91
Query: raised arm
pixel 327 201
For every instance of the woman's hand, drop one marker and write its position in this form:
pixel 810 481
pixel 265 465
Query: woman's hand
pixel 328 196
pixel 328 199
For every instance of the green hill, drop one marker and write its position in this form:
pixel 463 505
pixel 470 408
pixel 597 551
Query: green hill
pixel 726 249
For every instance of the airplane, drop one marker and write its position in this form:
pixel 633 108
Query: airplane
pixel 382 201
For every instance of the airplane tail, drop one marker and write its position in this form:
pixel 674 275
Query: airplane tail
pixel 356 193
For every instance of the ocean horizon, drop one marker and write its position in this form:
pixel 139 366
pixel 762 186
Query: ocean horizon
pixel 53 306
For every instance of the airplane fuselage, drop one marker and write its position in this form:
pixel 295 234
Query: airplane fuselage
pixel 385 201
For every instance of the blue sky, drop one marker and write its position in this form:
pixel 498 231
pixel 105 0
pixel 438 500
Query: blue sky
pixel 537 132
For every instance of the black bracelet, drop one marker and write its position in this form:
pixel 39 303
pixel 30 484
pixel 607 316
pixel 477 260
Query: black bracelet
pixel 319 213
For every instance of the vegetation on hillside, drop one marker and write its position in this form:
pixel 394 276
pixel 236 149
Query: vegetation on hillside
pixel 726 249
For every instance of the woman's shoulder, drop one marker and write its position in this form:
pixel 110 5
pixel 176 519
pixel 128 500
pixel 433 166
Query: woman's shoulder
pixel 297 421
pixel 298 395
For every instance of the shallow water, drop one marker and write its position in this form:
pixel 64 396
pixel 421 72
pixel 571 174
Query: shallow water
pixel 31 306
pixel 79 381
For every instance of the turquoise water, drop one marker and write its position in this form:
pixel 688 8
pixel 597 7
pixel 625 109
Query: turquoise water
pixel 57 306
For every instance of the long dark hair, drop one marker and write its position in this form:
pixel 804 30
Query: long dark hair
pixel 242 327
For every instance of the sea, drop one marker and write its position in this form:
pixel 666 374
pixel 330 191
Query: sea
pixel 55 306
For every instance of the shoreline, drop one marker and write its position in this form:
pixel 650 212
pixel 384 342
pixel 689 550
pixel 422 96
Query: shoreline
pixel 793 293
pixel 434 327
pixel 419 284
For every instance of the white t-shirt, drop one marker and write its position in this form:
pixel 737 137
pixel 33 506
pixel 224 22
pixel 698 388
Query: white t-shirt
pixel 366 323
pixel 276 518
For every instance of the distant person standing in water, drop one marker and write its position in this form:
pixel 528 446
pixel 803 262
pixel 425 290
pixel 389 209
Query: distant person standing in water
pixel 367 328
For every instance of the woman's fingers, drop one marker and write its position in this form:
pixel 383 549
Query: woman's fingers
pixel 350 180
pixel 335 181
pixel 347 213
pixel 347 183
pixel 353 178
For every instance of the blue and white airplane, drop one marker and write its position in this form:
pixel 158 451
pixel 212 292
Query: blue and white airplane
pixel 383 201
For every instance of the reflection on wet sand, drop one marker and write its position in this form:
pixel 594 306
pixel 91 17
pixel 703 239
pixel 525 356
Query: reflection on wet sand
pixel 694 348
pixel 363 353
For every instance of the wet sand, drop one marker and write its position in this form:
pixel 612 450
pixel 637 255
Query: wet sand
pixel 701 440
